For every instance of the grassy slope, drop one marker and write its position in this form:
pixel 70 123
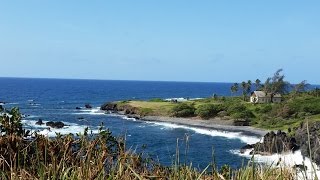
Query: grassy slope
pixel 267 116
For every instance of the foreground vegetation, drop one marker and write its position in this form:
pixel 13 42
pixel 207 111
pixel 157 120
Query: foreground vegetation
pixel 27 155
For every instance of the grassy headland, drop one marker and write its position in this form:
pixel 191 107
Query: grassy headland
pixel 290 113
pixel 297 105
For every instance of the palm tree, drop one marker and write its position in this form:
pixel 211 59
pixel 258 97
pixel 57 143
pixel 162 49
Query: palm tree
pixel 244 89
pixel 276 84
pixel 248 88
pixel 234 88
pixel 257 84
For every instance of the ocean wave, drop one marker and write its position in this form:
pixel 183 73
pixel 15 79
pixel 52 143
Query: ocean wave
pixel 30 116
pixel 13 103
pixel 176 99
pixel 285 159
pixel 128 118
pixel 70 128
pixel 211 132
pixel 181 99
pixel 94 111
pixel 208 132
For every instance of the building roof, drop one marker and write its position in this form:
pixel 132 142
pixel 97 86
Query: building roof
pixel 260 93
pixel 264 94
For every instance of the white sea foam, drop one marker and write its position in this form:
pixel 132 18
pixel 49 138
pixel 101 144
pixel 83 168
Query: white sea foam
pixel 94 111
pixel 287 160
pixel 181 99
pixel 128 118
pixel 13 103
pixel 31 116
pixel 211 132
pixel 44 130
pixel 177 99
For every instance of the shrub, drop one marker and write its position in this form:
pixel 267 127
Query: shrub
pixel 284 112
pixel 246 114
pixel 206 111
pixel 183 110
pixel 10 123
pixel 265 109
pixel 236 108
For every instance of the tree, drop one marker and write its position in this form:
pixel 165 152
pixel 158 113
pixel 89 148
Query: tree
pixel 276 84
pixel 257 84
pixel 243 87
pixel 301 87
pixel 234 88
pixel 246 88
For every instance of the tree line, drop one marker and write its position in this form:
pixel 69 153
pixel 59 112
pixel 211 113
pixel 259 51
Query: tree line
pixel 272 85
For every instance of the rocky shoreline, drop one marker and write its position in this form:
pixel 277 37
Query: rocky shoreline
pixel 279 142
pixel 216 123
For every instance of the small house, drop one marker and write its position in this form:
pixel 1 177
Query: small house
pixel 263 97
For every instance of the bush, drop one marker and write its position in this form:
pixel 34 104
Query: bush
pixel 207 111
pixel 246 114
pixel 236 108
pixel 183 110
pixel 285 112
pixel 266 109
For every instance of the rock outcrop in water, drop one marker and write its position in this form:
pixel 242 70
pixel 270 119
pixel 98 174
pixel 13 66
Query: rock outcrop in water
pixel 57 125
pixel 273 143
pixel 109 107
pixel 302 137
pixel 131 112
pixel 39 122
pixel 88 106
pixel 281 142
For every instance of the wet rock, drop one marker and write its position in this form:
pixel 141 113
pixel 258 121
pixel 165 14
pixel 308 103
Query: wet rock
pixel 88 106
pixel 275 143
pixel 135 116
pixel 56 125
pixel 39 122
pixel 245 148
pixel 78 108
pixel 302 138
pixel 127 109
pixel 109 107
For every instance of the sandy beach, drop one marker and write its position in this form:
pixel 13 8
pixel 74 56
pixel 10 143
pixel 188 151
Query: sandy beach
pixel 216 124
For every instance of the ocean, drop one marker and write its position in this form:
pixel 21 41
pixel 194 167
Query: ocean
pixel 57 99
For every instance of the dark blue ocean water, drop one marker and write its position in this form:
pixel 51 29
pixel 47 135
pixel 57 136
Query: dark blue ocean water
pixel 56 100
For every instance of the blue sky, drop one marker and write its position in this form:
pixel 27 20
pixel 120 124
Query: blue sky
pixel 170 40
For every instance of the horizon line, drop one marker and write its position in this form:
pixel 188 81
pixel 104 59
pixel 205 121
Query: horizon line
pixel 52 78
